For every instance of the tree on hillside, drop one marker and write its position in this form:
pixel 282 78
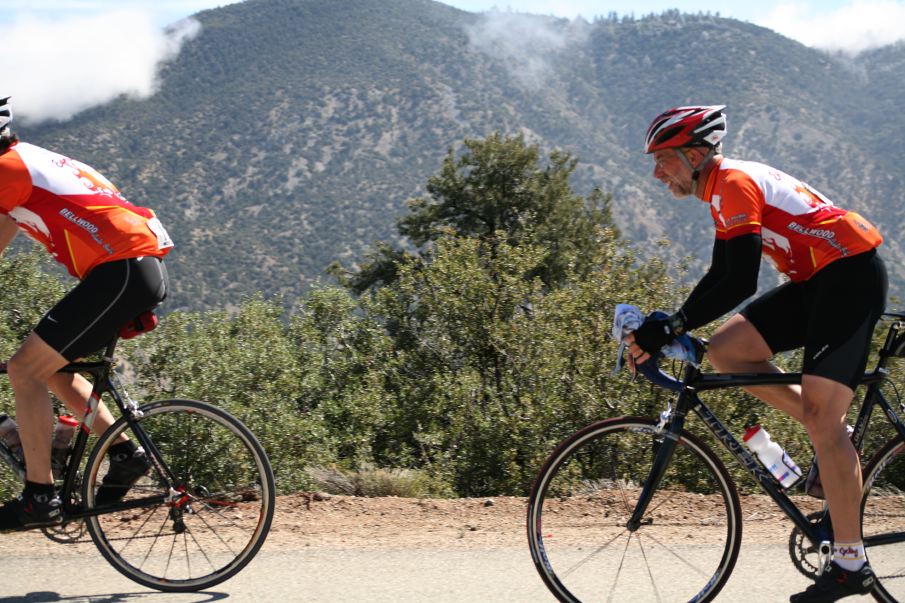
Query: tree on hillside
pixel 482 390
pixel 496 186
pixel 480 387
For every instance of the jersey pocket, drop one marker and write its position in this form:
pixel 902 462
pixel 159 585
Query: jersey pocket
pixel 163 237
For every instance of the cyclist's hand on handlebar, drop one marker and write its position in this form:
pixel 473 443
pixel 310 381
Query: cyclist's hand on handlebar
pixel 653 334
pixel 636 355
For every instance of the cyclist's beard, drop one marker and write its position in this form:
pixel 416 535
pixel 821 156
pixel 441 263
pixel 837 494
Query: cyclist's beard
pixel 679 188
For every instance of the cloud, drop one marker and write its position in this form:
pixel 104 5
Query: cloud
pixel 54 69
pixel 860 25
pixel 525 43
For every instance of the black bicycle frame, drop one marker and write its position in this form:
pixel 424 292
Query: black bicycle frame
pixel 102 383
pixel 695 381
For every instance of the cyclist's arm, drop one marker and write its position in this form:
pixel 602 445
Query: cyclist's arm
pixel 8 231
pixel 731 279
pixel 714 274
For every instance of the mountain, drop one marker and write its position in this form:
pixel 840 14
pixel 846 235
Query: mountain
pixel 289 133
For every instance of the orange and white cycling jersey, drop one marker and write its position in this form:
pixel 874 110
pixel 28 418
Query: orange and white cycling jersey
pixel 77 214
pixel 802 231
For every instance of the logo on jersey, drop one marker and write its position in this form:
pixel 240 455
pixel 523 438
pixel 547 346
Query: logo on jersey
pixel 821 233
pixel 87 227
pixel 89 178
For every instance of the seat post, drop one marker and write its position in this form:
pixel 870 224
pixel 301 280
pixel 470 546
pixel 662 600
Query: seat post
pixel 108 353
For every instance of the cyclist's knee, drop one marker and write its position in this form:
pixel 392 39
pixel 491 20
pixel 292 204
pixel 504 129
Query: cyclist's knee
pixel 735 344
pixel 23 376
pixel 824 406
pixel 714 355
pixel 35 361
pixel 724 351
pixel 22 373
pixel 824 428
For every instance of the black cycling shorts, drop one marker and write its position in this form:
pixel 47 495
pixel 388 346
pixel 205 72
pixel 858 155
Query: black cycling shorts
pixel 109 296
pixel 832 315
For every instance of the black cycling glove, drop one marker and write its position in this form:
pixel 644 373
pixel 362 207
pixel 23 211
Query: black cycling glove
pixel 653 334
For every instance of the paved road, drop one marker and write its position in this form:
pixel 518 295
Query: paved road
pixel 78 574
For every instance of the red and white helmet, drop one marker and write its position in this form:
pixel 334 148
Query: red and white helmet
pixel 6 114
pixel 686 127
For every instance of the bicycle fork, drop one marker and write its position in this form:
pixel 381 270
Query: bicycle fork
pixel 664 447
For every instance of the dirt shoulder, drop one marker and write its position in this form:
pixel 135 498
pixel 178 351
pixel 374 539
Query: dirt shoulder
pixel 348 522
pixel 305 520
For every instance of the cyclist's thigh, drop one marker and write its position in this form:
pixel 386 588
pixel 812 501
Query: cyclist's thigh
pixel 780 316
pixel 846 299
pixel 107 298
pixel 738 340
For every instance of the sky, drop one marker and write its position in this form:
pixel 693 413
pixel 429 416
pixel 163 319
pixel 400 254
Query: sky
pixel 53 69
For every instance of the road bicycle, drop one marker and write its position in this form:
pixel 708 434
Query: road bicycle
pixel 640 509
pixel 199 515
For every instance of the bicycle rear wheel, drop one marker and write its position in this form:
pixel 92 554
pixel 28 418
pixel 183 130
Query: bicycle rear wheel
pixel 584 495
pixel 883 520
pixel 217 509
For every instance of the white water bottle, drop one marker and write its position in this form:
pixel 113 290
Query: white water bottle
pixel 59 451
pixel 9 432
pixel 772 456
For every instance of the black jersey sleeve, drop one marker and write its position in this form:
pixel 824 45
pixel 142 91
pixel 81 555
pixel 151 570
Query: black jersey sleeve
pixel 731 279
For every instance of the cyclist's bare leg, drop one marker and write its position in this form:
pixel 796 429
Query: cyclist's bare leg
pixel 825 405
pixel 30 370
pixel 819 404
pixel 737 347
pixel 74 390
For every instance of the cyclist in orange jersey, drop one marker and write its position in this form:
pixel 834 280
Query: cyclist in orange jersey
pixel 115 249
pixel 835 294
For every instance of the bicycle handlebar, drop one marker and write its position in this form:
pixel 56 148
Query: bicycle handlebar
pixel 657 376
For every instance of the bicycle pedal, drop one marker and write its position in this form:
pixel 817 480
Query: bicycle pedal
pixel 825 555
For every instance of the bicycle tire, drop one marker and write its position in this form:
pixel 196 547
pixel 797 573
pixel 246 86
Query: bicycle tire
pixel 883 515
pixel 586 491
pixel 193 542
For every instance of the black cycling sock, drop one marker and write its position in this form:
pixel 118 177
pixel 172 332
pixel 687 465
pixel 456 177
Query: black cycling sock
pixel 126 448
pixel 36 489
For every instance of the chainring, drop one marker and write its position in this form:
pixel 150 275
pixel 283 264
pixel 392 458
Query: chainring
pixel 72 531
pixel 66 533
pixel 805 556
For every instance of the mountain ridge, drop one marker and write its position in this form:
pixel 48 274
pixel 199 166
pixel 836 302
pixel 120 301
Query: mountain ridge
pixel 289 133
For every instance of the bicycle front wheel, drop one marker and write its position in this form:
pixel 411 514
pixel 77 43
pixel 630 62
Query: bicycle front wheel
pixel 586 492
pixel 883 520
pixel 205 520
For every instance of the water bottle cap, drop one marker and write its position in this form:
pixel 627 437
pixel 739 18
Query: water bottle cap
pixel 750 432
pixel 69 420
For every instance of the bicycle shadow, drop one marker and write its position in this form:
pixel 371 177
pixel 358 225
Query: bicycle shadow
pixel 53 597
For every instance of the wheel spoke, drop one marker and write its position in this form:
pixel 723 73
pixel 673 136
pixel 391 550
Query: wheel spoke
pixel 587 491
pixel 215 521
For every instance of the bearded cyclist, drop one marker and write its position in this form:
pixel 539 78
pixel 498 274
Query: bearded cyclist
pixel 115 249
pixel 835 294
